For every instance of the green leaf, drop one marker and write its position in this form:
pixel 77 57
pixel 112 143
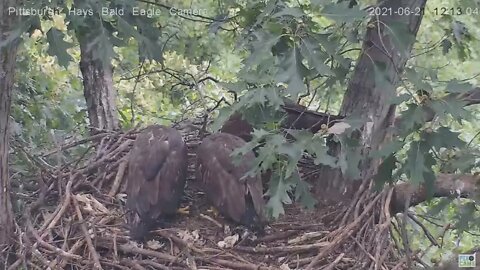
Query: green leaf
pixel 381 76
pixel 292 71
pixel 293 154
pixel 396 100
pixel 322 157
pixel 438 207
pixel 450 105
pixel 463 161
pixel 385 172
pixel 419 162
pixel 102 48
pixel 315 56
pixel 266 157
pixel 388 149
pixel 443 137
pixel 465 216
pixel 401 36
pixel 304 196
pixel 331 43
pixel 57 46
pixel 455 86
pixel 341 13
pixel 223 116
pixel 411 118
pixel 278 193
pixel 126 29
pixel 419 82
pixel 350 157
pixel 261 47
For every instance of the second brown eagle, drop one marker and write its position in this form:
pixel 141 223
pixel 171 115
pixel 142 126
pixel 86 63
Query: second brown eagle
pixel 225 182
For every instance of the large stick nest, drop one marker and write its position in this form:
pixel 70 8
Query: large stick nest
pixel 76 220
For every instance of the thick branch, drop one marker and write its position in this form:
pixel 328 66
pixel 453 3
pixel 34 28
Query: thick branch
pixel 447 185
pixel 471 97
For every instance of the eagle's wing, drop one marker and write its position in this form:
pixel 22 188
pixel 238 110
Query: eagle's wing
pixel 255 190
pixel 156 172
pixel 238 126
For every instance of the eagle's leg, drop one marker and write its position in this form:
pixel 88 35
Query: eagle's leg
pixel 184 210
pixel 214 211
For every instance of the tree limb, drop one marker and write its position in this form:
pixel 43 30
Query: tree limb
pixel 471 97
pixel 446 185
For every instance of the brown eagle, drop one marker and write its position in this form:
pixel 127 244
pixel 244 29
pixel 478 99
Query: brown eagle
pixel 234 195
pixel 157 168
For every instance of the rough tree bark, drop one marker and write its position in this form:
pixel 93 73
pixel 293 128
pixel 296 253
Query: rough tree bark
pixel 98 89
pixel 369 101
pixel 8 52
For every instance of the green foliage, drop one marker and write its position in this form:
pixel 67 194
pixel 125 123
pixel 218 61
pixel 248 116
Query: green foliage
pixel 385 172
pixel 58 47
pixel 419 163
pixel 263 51
pixel 342 13
pixel 291 71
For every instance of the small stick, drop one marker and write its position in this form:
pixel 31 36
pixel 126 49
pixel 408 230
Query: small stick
pixel 118 178
pixel 93 252
pixel 218 224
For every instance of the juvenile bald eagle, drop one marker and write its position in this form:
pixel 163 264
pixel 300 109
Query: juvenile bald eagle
pixel 157 169
pixel 235 196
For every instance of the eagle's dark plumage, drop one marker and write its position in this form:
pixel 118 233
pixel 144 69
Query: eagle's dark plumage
pixel 238 126
pixel 157 169
pixel 300 117
pixel 236 197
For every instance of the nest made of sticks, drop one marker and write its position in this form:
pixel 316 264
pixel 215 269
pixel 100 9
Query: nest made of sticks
pixel 76 220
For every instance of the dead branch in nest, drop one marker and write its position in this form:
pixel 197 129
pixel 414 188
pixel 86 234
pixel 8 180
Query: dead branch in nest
pixel 334 263
pixel 342 234
pixel 118 178
pixel 93 252
pixel 269 250
pixel 76 143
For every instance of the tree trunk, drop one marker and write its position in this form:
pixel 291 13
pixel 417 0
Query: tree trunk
pixel 8 53
pixel 374 82
pixel 98 87
pixel 98 90
pixel 364 98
